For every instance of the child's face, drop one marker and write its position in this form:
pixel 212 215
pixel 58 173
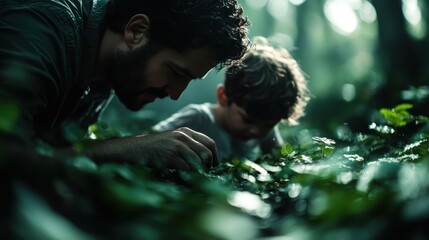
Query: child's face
pixel 242 126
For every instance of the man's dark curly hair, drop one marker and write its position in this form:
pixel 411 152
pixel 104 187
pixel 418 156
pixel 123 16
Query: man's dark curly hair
pixel 184 24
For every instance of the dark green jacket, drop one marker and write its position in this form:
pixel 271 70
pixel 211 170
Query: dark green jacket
pixel 48 50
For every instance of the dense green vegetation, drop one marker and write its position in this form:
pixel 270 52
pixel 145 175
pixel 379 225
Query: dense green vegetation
pixel 356 168
pixel 359 186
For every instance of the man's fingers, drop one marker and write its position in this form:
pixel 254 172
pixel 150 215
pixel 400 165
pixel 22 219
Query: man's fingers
pixel 202 145
pixel 196 154
pixel 181 164
pixel 191 158
pixel 209 143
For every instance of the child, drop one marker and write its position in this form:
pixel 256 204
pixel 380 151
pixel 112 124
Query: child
pixel 255 97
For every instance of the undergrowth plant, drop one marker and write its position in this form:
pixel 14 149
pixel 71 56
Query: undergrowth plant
pixel 372 186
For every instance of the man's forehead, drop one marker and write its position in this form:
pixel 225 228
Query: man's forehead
pixel 198 62
pixel 190 72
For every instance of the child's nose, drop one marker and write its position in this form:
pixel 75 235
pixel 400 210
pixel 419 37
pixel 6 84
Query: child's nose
pixel 258 131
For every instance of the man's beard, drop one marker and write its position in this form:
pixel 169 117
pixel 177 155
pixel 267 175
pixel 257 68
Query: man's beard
pixel 129 70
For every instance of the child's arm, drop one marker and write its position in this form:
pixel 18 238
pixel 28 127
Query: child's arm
pixel 189 116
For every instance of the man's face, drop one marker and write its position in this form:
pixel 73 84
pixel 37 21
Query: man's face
pixel 245 127
pixel 149 72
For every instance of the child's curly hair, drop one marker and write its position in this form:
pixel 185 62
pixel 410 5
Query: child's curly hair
pixel 269 84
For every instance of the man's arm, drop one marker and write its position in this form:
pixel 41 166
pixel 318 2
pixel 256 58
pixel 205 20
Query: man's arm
pixel 183 149
pixel 31 74
pixel 32 65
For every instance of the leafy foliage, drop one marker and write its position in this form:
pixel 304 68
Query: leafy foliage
pixel 370 186
pixel 10 114
pixel 399 115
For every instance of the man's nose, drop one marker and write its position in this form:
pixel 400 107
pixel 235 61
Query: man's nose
pixel 177 89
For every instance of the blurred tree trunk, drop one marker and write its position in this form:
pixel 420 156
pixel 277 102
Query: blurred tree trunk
pixel 302 38
pixel 307 46
pixel 401 57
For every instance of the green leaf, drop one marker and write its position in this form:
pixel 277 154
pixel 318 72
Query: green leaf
pixel 398 116
pixel 403 107
pixel 9 115
pixel 323 140
pixel 286 150
pixel 328 150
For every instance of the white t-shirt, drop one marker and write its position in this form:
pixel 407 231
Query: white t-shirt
pixel 200 117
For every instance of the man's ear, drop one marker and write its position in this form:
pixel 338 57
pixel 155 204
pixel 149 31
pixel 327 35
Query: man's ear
pixel 136 32
pixel 221 96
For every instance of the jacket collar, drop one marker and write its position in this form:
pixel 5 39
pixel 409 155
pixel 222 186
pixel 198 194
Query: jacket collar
pixel 94 24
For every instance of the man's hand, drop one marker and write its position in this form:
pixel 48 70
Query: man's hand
pixel 183 149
